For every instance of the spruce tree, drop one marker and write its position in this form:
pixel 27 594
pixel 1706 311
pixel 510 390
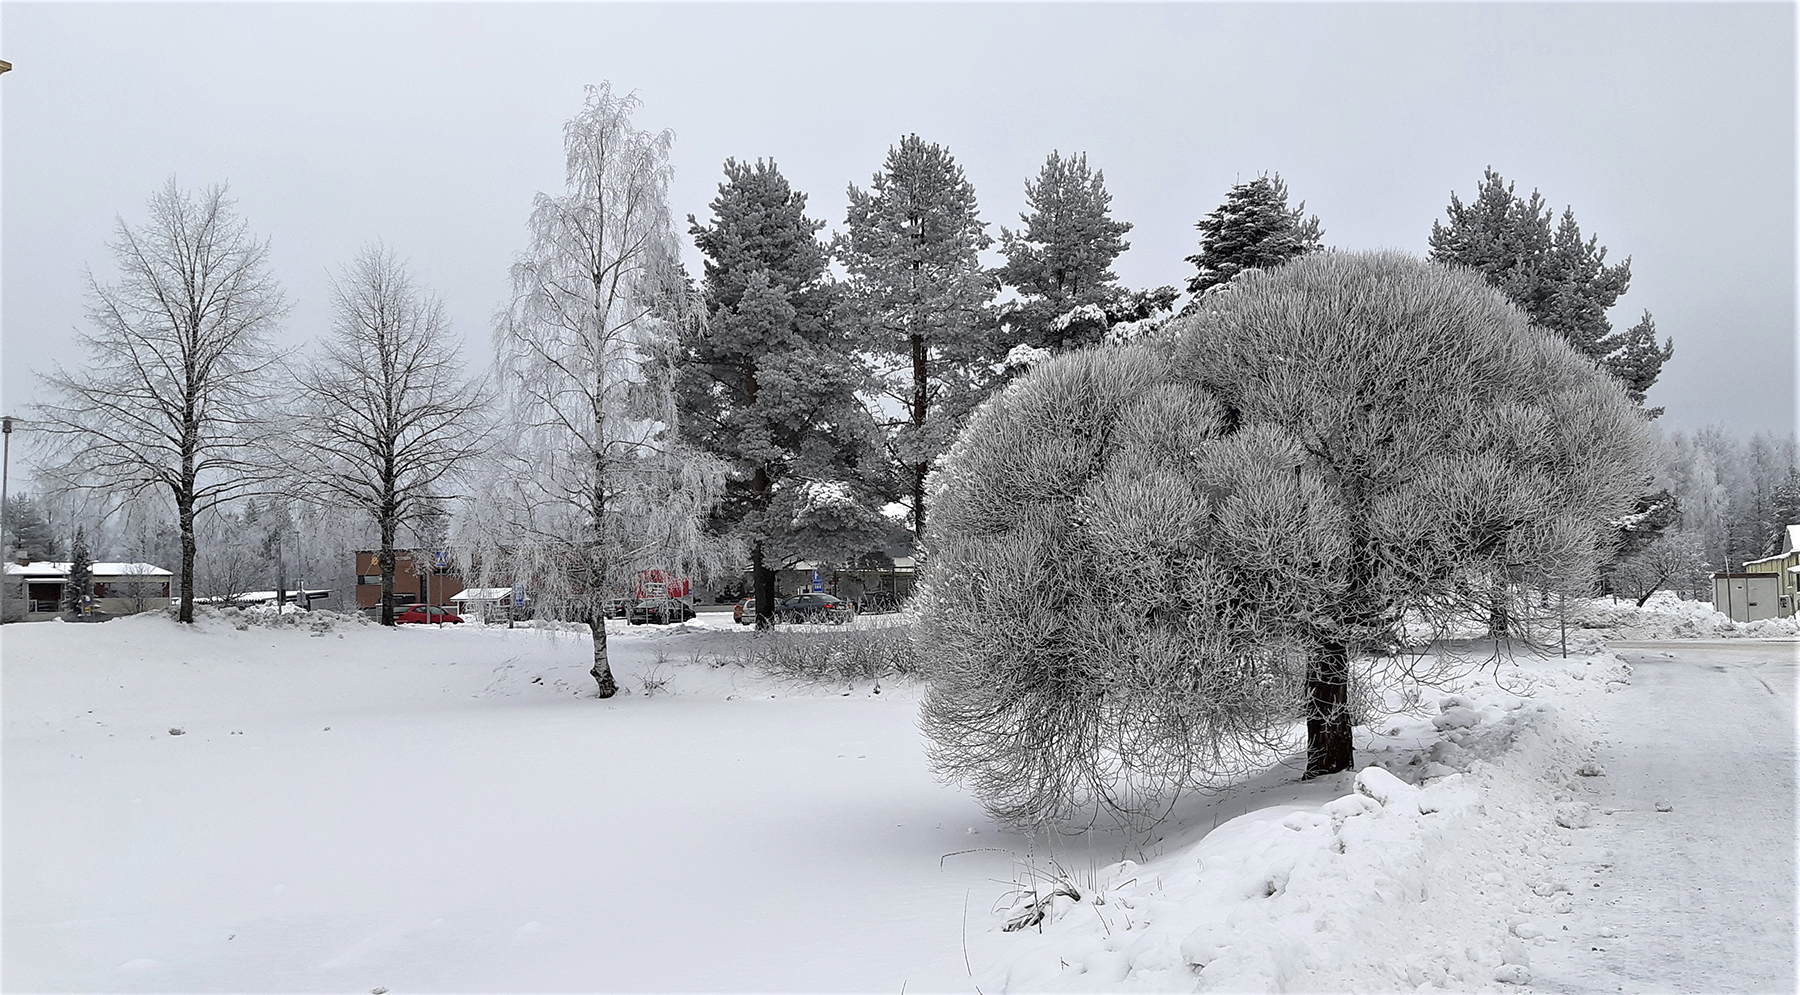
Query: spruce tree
pixel 81 574
pixel 1061 263
pixel 918 300
pixel 1253 229
pixel 27 533
pixel 1560 279
pixel 768 384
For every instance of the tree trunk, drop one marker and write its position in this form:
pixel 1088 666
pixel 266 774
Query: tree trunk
pixel 762 580
pixel 1499 613
pixel 920 405
pixel 385 560
pixel 762 577
pixel 602 673
pixel 184 513
pixel 1329 745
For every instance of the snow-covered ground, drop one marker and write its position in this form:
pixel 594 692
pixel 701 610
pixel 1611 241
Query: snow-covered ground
pixel 353 808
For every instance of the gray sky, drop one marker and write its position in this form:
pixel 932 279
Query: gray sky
pixel 1669 128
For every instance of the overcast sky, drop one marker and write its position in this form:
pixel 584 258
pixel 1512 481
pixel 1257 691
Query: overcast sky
pixel 1670 129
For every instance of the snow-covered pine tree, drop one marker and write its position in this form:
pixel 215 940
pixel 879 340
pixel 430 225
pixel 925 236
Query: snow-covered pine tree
pixel 918 303
pixel 28 533
pixel 1559 279
pixel 768 384
pixel 594 485
pixel 1060 263
pixel 1639 360
pixel 1253 229
pixel 1786 507
pixel 81 574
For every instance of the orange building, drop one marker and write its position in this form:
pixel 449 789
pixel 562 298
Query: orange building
pixel 421 577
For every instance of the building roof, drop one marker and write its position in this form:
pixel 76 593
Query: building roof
pixel 53 569
pixel 483 594
pixel 1793 539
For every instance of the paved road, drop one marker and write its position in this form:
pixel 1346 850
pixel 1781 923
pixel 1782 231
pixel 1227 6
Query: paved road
pixel 1698 898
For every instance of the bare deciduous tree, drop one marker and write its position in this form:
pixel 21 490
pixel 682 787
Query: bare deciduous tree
pixel 173 397
pixel 594 485
pixel 389 414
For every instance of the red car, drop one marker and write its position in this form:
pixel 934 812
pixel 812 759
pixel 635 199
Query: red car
pixel 422 614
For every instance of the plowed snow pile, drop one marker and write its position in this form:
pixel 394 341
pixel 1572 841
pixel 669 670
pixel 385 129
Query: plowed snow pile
pixel 1666 616
pixel 1430 870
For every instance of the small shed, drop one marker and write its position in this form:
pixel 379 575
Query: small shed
pixel 1747 597
pixel 491 604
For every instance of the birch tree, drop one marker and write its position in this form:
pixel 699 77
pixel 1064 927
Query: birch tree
pixel 595 485
pixel 174 397
pixel 390 415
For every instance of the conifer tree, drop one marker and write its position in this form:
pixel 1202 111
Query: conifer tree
pixel 768 384
pixel 918 301
pixel 27 533
pixel 1253 229
pixel 81 574
pixel 1561 280
pixel 1061 263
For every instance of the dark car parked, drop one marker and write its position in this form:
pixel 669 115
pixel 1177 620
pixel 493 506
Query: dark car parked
pixel 660 611
pixel 814 608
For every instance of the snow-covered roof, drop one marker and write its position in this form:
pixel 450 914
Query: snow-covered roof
pixel 1793 539
pixel 258 597
pixel 53 568
pixel 483 594
pixel 1766 559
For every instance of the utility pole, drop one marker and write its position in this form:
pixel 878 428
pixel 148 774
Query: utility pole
pixel 6 425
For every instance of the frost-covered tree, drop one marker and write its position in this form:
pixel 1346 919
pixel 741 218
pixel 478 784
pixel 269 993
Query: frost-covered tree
pixel 1254 229
pixel 768 385
pixel 81 574
pixel 1559 279
pixel 918 299
pixel 1147 562
pixel 174 396
pixel 1089 641
pixel 390 415
pixel 1675 560
pixel 28 533
pixel 1060 263
pixel 1452 441
pixel 594 485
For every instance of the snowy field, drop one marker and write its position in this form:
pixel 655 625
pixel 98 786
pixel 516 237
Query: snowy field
pixel 451 810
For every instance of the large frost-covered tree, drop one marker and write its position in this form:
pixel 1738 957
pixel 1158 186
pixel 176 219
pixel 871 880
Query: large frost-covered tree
pixel 1452 442
pixel 175 395
pixel 1060 263
pixel 390 414
pixel 768 384
pixel 1559 279
pixel 1254 229
pixel 594 486
pixel 1213 526
pixel 918 301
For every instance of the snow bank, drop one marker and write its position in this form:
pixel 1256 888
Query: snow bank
pixel 1666 616
pixel 1427 871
